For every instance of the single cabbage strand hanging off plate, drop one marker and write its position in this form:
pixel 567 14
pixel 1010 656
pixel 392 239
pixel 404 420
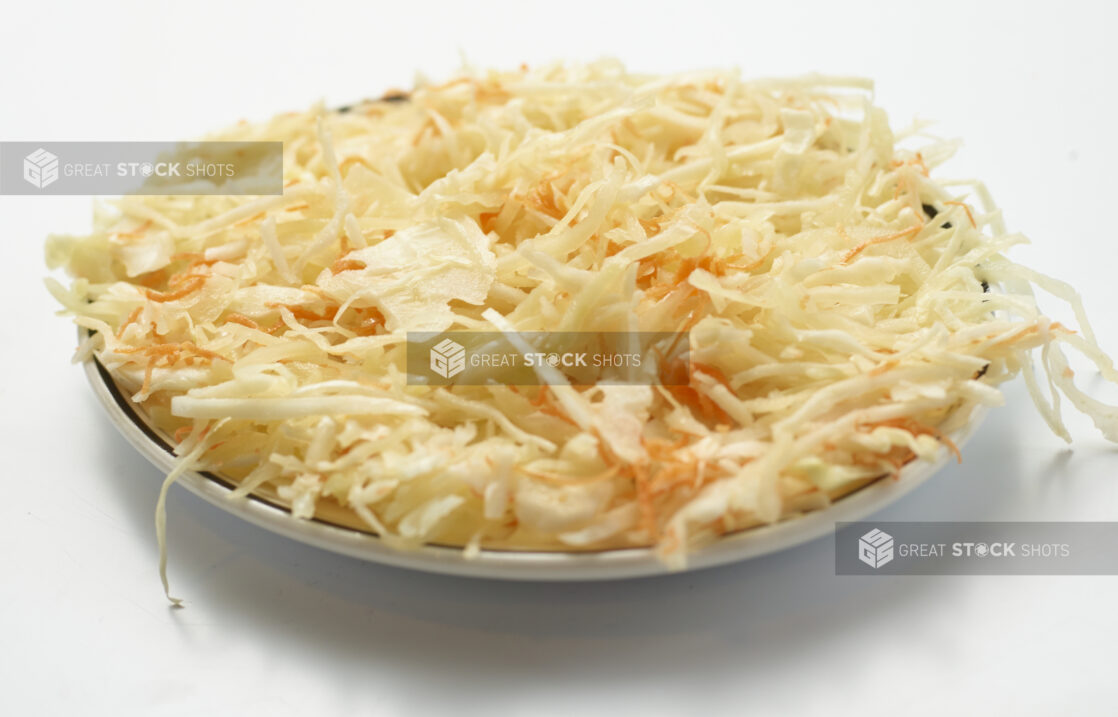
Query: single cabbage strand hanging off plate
pixel 835 293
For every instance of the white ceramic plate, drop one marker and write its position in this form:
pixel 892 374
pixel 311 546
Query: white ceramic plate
pixel 507 564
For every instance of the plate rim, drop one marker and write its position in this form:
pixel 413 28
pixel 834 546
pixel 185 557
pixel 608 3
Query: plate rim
pixel 515 565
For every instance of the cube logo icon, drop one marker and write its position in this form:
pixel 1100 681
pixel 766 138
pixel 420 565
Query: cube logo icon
pixel 40 168
pixel 875 548
pixel 448 359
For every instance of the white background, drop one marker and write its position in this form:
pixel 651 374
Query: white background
pixel 275 628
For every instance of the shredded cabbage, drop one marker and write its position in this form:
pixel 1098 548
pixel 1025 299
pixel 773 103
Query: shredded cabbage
pixel 834 292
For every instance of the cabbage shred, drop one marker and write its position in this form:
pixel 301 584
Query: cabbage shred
pixel 833 290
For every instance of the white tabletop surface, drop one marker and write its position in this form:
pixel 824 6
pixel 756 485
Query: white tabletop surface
pixel 273 627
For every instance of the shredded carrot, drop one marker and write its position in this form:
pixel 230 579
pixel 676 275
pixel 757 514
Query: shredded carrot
pixel 923 165
pixel 910 232
pixel 967 210
pixel 254 219
pixel 138 231
pixel 302 313
pixel 190 285
pixel 548 407
pixel 882 368
pixel 485 220
pixel 343 264
pixel 370 324
pixel 145 388
pixel 242 320
pixel 129 321
pixel 672 375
